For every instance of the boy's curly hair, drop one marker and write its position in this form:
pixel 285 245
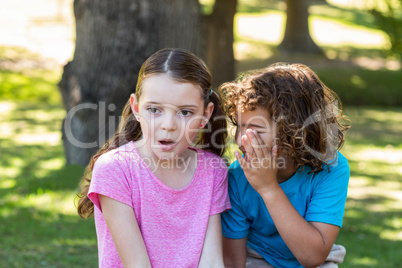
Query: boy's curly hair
pixel 308 115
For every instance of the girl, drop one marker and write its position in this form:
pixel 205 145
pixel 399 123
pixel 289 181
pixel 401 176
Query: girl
pixel 157 200
pixel 288 193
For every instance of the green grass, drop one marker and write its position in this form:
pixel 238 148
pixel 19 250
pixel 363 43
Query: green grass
pixel 41 228
pixel 373 217
pixel 39 225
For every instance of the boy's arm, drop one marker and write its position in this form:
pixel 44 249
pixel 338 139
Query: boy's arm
pixel 235 252
pixel 310 242
pixel 123 226
pixel 211 255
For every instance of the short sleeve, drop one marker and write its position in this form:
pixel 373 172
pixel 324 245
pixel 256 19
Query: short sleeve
pixel 220 198
pixel 109 179
pixel 327 203
pixel 235 224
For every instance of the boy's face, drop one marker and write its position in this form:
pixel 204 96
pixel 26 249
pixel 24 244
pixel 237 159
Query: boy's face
pixel 260 121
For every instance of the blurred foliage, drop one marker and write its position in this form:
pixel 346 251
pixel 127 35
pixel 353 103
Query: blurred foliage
pixel 356 86
pixel 25 76
pixel 32 85
pixel 389 20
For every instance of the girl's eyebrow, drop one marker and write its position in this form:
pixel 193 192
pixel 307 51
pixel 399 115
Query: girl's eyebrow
pixel 181 106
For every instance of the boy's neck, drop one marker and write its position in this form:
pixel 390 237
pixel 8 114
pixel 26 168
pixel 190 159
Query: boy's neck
pixel 287 172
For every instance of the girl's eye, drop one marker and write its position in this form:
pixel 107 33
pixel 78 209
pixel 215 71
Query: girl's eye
pixel 186 112
pixel 153 110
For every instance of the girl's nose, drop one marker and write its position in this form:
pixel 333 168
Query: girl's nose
pixel 169 122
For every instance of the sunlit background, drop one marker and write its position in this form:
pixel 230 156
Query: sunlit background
pixel 38 222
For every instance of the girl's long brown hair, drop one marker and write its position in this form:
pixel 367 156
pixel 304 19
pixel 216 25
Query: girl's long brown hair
pixel 184 67
pixel 308 115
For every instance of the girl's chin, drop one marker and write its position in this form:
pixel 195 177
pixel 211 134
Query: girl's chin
pixel 166 155
pixel 171 155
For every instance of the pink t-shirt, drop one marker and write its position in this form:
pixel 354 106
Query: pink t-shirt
pixel 173 222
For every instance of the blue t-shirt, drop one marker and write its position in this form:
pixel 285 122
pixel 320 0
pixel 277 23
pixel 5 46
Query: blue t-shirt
pixel 318 197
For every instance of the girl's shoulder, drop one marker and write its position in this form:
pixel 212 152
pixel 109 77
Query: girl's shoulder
pixel 210 160
pixel 118 156
pixel 208 154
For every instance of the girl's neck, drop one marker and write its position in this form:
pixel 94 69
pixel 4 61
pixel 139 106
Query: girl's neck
pixel 176 172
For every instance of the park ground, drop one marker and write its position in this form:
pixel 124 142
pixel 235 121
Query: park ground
pixel 39 225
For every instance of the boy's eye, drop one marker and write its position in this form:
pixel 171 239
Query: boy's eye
pixel 186 112
pixel 153 110
pixel 258 131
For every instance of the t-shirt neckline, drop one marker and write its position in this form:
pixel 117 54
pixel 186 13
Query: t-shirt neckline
pixel 291 181
pixel 155 178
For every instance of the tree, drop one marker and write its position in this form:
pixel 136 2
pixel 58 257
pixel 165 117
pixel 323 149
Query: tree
pixel 113 38
pixel 297 36
pixel 218 33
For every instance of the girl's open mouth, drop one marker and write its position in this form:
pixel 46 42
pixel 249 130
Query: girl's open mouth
pixel 167 145
pixel 166 142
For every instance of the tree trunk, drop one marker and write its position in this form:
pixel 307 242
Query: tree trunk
pixel 113 38
pixel 297 37
pixel 219 37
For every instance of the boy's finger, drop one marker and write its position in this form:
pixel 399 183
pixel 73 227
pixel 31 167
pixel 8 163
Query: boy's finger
pixel 248 147
pixel 274 151
pixel 274 156
pixel 252 135
pixel 263 146
pixel 240 159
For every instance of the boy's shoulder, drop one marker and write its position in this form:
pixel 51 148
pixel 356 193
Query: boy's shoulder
pixel 236 173
pixel 235 166
pixel 339 163
pixel 337 169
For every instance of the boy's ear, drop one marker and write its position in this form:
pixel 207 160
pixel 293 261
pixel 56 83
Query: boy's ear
pixel 208 112
pixel 134 105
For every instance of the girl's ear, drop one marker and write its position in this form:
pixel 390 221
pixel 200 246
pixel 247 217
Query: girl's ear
pixel 134 105
pixel 208 112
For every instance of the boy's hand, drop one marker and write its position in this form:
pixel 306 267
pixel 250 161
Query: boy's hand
pixel 260 163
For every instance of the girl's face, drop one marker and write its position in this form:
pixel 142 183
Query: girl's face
pixel 171 114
